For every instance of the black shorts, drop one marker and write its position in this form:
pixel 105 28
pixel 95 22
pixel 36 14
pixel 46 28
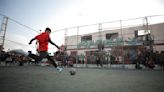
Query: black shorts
pixel 43 54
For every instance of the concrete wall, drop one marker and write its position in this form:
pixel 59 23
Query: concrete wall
pixel 157 33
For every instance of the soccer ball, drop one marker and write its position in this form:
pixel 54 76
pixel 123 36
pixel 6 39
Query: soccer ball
pixel 72 71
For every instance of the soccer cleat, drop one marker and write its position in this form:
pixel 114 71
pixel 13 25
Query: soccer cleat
pixel 59 69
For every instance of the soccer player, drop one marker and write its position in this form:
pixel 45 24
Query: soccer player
pixel 44 39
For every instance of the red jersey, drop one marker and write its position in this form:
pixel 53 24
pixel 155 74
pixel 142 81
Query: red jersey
pixel 43 40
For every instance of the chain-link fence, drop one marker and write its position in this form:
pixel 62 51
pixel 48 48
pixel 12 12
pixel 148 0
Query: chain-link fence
pixel 100 44
pixel 121 41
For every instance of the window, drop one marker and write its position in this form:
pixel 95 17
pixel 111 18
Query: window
pixel 142 35
pixel 86 38
pixel 111 36
pixel 139 33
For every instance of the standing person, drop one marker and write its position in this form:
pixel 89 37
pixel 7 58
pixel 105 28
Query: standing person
pixel 139 59
pixel 44 39
pixel 98 61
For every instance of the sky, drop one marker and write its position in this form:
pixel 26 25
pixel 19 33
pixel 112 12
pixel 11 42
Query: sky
pixel 60 14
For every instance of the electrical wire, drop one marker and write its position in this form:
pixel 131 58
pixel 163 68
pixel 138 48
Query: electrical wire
pixel 19 23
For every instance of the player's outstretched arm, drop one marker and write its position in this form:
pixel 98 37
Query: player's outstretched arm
pixel 54 44
pixel 31 41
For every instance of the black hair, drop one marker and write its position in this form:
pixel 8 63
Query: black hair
pixel 29 52
pixel 48 29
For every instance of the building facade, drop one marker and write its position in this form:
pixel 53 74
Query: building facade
pixel 118 42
